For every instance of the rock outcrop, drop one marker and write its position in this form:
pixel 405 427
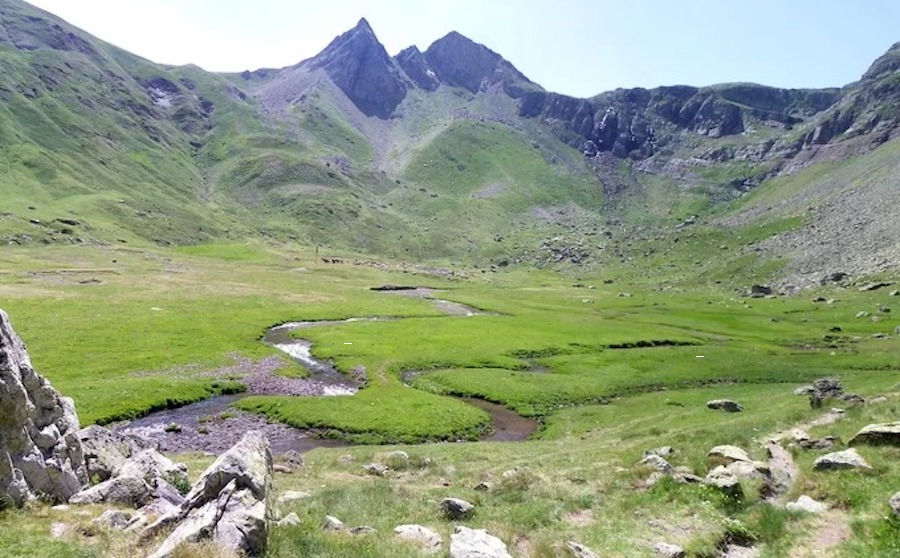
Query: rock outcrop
pixel 40 454
pixel 229 504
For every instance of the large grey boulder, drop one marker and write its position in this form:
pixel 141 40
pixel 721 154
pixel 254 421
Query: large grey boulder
pixel 229 504
pixel 725 481
pixel 106 450
pixel 887 434
pixel 894 503
pixel 847 459
pixel 122 491
pixel 39 448
pixel 153 466
pixel 476 543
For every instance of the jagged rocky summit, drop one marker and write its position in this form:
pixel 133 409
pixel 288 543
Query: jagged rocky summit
pixel 40 453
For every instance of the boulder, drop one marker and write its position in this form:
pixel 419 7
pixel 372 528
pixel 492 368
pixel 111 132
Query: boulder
pixel 456 509
pixel 39 448
pixel 806 504
pixel 106 450
pixel 726 405
pixel 847 459
pixel 476 543
pixel 331 523
pixel 121 491
pixel 578 550
pixel 151 465
pixel 667 550
pixel 229 504
pixel 886 434
pixel 894 503
pixel 725 481
pixel 429 541
pixel 728 454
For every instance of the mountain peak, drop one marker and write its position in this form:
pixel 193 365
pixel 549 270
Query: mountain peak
pixel 460 61
pixel 363 25
pixel 886 63
pixel 360 66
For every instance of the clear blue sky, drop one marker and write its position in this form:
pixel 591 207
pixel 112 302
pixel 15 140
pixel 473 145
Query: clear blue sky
pixel 577 47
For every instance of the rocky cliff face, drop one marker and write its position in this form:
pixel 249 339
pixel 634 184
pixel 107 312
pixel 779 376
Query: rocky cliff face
pixel 40 453
pixel 358 64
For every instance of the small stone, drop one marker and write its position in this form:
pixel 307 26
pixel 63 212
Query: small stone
pixel 289 520
pixel 726 405
pixel 363 530
pixel 456 509
pixel 578 550
pixel 283 469
pixel 806 504
pixel 483 486
pixel 667 550
pixel 894 502
pixel 424 537
pixel 331 523
pixel 728 454
pixel 376 469
pixel 656 462
pixel 847 459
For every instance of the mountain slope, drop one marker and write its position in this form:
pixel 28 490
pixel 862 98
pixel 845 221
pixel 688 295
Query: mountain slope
pixel 450 154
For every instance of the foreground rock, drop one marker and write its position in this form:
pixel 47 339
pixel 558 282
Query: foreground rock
pixel 476 543
pixel 106 450
pixel 847 459
pixel 667 550
pixel 728 454
pixel 40 453
pixel 456 509
pixel 229 504
pixel 726 405
pixel 887 434
pixel 808 505
pixel 894 502
pixel 125 490
pixel 429 541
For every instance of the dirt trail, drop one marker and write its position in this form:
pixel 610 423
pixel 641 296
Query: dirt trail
pixel 832 529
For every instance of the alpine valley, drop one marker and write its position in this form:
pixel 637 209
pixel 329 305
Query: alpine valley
pixel 646 323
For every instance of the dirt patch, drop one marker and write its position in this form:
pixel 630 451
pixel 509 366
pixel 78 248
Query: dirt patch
pixel 832 529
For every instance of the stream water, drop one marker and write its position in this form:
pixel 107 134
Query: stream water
pixel 214 425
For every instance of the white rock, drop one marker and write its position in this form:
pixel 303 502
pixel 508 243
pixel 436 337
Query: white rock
pixel 476 543
pixel 428 540
pixel 806 504
pixel 847 459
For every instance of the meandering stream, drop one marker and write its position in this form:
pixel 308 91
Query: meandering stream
pixel 214 425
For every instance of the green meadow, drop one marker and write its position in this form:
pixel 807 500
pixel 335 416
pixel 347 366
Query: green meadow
pixel 608 369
